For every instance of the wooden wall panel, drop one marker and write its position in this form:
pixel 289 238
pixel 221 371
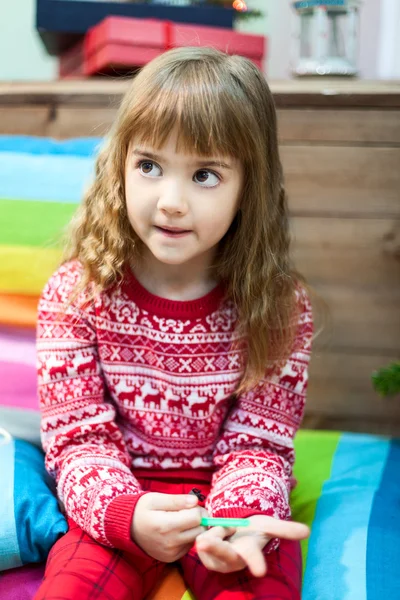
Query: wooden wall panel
pixel 340 385
pixel 24 120
pixel 329 180
pixel 56 121
pixel 344 126
pixel 357 252
pixel 362 320
pixel 72 121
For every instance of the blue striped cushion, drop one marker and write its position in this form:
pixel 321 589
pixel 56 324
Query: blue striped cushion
pixel 30 519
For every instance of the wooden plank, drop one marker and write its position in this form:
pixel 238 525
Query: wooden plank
pixel 359 424
pixel 339 100
pixel 24 120
pixel 78 121
pixel 340 386
pixel 345 126
pixel 339 93
pixel 104 92
pixel 360 320
pixel 329 86
pixel 359 252
pixel 298 93
pixel 294 125
pixel 342 181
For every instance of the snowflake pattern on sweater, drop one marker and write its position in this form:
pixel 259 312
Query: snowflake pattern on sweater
pixel 133 381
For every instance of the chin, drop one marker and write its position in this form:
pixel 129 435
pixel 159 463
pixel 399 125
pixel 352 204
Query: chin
pixel 171 260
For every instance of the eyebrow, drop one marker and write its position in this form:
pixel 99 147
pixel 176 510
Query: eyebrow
pixel 200 163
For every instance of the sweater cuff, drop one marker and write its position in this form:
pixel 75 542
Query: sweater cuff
pixel 118 523
pixel 236 513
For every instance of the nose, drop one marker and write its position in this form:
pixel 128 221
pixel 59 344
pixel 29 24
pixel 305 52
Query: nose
pixel 172 199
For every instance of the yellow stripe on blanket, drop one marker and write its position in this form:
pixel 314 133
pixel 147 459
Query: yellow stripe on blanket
pixel 25 270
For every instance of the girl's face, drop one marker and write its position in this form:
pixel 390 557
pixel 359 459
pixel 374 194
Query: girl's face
pixel 180 205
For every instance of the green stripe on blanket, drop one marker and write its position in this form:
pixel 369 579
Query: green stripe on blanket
pixel 33 223
pixel 314 458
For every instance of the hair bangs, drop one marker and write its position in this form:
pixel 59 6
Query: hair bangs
pixel 206 116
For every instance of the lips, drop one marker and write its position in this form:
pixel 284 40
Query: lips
pixel 172 229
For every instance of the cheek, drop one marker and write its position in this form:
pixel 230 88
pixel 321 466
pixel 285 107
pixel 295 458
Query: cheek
pixel 137 206
pixel 216 222
pixel 221 210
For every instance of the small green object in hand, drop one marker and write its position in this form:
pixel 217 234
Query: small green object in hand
pixel 209 522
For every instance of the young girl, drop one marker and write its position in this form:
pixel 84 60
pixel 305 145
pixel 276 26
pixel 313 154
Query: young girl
pixel 173 346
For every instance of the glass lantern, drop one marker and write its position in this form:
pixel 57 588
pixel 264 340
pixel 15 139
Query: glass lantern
pixel 325 39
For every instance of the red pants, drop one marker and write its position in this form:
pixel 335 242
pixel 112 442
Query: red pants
pixel 78 568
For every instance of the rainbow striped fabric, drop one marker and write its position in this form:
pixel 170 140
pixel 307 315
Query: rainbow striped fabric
pixel 349 484
pixel 349 493
pixel 41 182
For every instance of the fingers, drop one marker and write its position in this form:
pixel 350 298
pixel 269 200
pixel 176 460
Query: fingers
pixel 252 556
pixel 218 555
pixel 184 519
pixel 225 556
pixel 212 542
pixel 190 535
pixel 218 532
pixel 170 502
pixel 285 530
pixel 170 513
pixel 220 550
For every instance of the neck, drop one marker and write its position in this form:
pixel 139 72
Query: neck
pixel 174 282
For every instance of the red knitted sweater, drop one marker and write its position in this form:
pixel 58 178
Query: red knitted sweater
pixel 132 381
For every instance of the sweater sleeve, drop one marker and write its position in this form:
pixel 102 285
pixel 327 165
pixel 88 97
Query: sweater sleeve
pixel 85 450
pixel 254 454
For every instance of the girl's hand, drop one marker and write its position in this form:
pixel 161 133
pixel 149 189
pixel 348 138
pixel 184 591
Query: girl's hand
pixel 244 546
pixel 166 526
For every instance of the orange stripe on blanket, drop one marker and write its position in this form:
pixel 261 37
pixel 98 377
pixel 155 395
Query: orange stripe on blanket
pixel 18 310
pixel 171 586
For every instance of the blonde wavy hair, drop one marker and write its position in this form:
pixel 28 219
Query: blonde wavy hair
pixel 221 106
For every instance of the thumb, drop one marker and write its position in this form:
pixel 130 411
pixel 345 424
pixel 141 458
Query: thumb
pixel 171 502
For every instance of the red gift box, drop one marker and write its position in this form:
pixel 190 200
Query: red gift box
pixel 232 42
pixel 125 43
pixel 115 43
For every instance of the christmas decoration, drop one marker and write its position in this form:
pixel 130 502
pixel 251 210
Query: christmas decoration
pixel 325 40
pixel 240 5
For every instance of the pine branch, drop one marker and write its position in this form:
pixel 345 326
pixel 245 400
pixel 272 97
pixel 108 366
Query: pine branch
pixel 386 381
pixel 249 14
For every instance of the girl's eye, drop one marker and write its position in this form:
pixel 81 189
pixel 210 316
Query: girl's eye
pixel 149 168
pixel 206 178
